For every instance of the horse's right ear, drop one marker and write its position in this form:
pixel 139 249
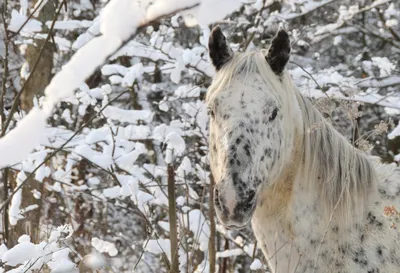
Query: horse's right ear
pixel 220 52
pixel 279 52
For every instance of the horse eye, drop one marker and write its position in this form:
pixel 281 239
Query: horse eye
pixel 274 114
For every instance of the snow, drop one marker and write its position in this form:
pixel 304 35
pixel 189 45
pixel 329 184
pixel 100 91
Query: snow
pixel 129 116
pixel 199 226
pixel 230 253
pixel 24 72
pixel 136 145
pixel 211 11
pixel 115 29
pixel 60 262
pixel 187 91
pixel 133 73
pixel 395 132
pixel 159 246
pixel 23 251
pixel 110 69
pixel 184 168
pixel 70 24
pixel 112 192
pixel 385 66
pixel 256 264
pixel 104 246
pixel 102 159
pixel 18 19
pixel 337 40
pixel 175 142
pixel 120 18
pixel 16 145
pixel 14 212
pixel 165 7
pixel 164 225
pixel 94 261
pixel 82 64
pixel 380 82
pixel 180 201
pixel 391 23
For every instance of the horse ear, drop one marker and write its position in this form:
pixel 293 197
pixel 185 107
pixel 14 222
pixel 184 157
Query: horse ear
pixel 220 52
pixel 279 51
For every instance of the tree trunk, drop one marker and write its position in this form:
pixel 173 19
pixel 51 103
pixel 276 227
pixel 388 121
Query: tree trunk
pixel 39 79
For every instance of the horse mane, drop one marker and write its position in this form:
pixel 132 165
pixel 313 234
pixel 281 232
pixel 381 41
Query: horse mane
pixel 342 174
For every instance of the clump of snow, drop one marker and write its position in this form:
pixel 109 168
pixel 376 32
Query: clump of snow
pixel 16 145
pixel 230 253
pixel 395 132
pixel 23 251
pixel 14 212
pixel 94 261
pixel 256 264
pixel 60 262
pixel 18 19
pixel 337 40
pixel 129 116
pixel 104 247
pixel 112 192
pixel 384 64
pixel 121 18
pixel 70 24
pixel 159 246
pixel 133 73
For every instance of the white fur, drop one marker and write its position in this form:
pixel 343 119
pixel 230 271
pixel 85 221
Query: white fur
pixel 321 201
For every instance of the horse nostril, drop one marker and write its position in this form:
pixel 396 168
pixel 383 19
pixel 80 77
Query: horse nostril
pixel 251 196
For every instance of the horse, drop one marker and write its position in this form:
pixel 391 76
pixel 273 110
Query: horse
pixel 315 202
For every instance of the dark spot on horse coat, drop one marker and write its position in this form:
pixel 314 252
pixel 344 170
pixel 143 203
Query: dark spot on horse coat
pixel 373 221
pixel 379 250
pixel 274 114
pixel 360 257
pixel 245 205
pixel 247 150
pixel 268 152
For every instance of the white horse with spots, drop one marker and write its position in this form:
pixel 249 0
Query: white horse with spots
pixel 316 203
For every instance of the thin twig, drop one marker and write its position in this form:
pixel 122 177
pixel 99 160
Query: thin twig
pixel 248 41
pixel 173 229
pixel 391 30
pixel 2 114
pixel 27 20
pixel 57 150
pixel 17 97
pixel 211 215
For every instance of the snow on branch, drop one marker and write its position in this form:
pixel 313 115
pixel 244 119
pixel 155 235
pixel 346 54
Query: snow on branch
pixel 120 21
pixel 380 82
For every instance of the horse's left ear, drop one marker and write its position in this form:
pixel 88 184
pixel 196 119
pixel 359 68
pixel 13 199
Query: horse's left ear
pixel 220 51
pixel 279 51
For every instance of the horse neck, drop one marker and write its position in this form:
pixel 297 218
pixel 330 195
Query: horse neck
pixel 341 177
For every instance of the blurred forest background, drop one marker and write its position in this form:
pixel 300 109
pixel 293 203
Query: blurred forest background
pixel 122 181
